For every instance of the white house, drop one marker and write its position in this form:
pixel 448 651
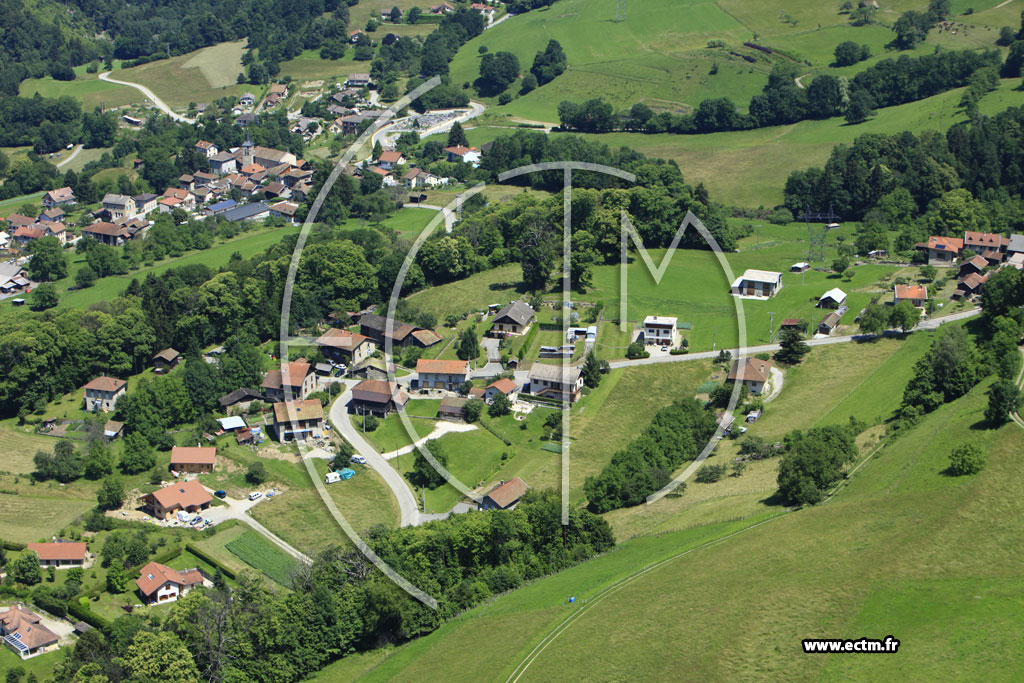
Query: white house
pixel 753 373
pixel 660 330
pixel 833 298
pixel 442 374
pixel 757 283
pixel 548 380
pixel 159 583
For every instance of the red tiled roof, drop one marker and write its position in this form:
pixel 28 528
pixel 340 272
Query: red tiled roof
pixel 58 551
pixel 341 339
pixel 953 244
pixel 288 411
pixel 183 495
pixel 154 575
pixel 504 385
pixel 444 367
pixel 193 455
pixel 509 492
pixel 754 369
pixel 104 383
pixel 911 292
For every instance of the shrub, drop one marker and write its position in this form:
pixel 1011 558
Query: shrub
pixel 256 473
pixel 709 474
pixel 967 458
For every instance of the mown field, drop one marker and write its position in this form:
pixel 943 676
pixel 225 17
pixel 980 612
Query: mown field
pixel 201 76
pixel 255 550
pixel 87 88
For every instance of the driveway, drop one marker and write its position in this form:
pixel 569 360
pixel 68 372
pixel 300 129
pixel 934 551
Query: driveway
pixel 71 156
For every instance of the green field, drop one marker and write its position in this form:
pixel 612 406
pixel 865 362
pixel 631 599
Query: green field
pixel 255 550
pixel 392 434
pixel 86 87
pixel 201 76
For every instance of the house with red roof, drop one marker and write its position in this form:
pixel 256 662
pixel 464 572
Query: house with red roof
pixel 295 380
pixel 505 495
pixel 188 496
pixel 158 583
pixel 193 459
pixel 59 554
pixel 103 393
pixel 915 294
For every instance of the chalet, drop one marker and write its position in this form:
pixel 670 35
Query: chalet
pixel 187 182
pixel 239 399
pixel 358 80
pixel 297 420
pixel 12 278
pixel 505 495
pixel 915 294
pixel 119 206
pixel 107 233
pixel 145 203
pixel 833 298
pixel 417 177
pixel 271 100
pixel 513 319
pixel 295 380
pixel 758 283
pixel 185 196
pixel 247 99
pixel 59 554
pixel 346 346
pixel 462 153
pixel 294 176
pixel 660 330
pixel 62 196
pixel 275 189
pixel 166 360
pixel 377 397
pixel 54 215
pixel 27 233
pixel 752 373
pixel 158 583
pixel 443 8
pixel 505 386
pixel 442 374
pixel 223 162
pixel 207 149
pixel 975 264
pixel 247 212
pixel 829 323
pixel 193 459
pixel 285 210
pixel 16 220
pixel 402 334
pixel 187 496
pixel 169 204
pixel 795 324
pixel 971 284
pixel 103 393
pixel 24 633
pixel 942 251
pixel 451 408
pixel 549 381
pixel 390 158
pixel 980 242
pixel 203 179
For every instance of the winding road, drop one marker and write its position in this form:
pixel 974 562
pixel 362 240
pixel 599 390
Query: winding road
pixel 150 95
pixel 71 156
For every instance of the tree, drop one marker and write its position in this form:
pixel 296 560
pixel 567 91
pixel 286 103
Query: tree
pixel 469 347
pixel 874 319
pixel 139 454
pixel 794 348
pixel 929 273
pixel 814 460
pixel 849 52
pixel 44 296
pixel 549 64
pixel 500 405
pixel 709 474
pixel 117 578
pixel 497 71
pixel 636 350
pixel 904 315
pixel 1003 399
pixel 85 277
pixel 423 473
pixel 48 261
pixel 256 473
pixel 25 568
pixel 967 458
pixel 413 15
pixel 860 108
pixel 396 15
pixel 591 371
pixel 111 494
pixel 457 136
pixel 378 149
pixel 159 656
pixel 529 84
pixel 472 409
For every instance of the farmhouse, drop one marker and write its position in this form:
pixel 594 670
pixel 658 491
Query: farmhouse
pixel 548 380
pixel 12 277
pixel 103 392
pixel 159 583
pixel 358 80
pixel 107 233
pixel 759 283
pixel 188 496
pixel 462 153
pixel 980 242
pixel 193 459
pixel 59 554
pixel 833 298
pixel 751 373
pixel 513 319
pixel 296 420
pixel 166 360
pixel 417 177
pixel 223 162
pixel 660 330
pixel 1015 245
pixel 62 196
pixel 119 206
pixel 347 346
pixel 829 323
pixel 442 374
pixel 247 212
pixel 208 149
pixel 971 284
pixel 505 386
pixel 145 203
pixel 976 264
pixel 247 99
pixel 402 334
pixel 24 633
pixel 294 380
pixel 942 251
pixel 284 210
pixel 915 294
pixel 390 158
pixel 240 399
pixel 451 408
pixel 53 215
pixel 505 495
pixel 377 397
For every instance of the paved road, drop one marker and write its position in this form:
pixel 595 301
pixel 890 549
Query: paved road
pixel 160 104
pixel 408 508
pixel 71 156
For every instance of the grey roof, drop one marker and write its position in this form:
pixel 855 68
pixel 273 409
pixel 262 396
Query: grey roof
pixel 9 271
pixel 241 213
pixel 553 373
pixel 117 199
pixel 1016 243
pixel 519 311
pixel 239 395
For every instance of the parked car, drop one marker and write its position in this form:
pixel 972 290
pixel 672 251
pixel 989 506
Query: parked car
pixel 358 459
pixel 254 495
pixel 196 520
pixel 221 494
pixel 664 348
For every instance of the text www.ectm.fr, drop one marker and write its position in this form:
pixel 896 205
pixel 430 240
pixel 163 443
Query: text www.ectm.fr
pixel 887 645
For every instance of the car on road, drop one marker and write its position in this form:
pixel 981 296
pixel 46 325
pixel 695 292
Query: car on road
pixel 221 494
pixel 664 348
pixel 358 459
pixel 196 520
pixel 255 495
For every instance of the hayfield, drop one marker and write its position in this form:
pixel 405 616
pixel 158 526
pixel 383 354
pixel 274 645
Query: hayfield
pixel 218 64
pixel 201 76
pixel 255 550
pixel 25 517
pixel 87 88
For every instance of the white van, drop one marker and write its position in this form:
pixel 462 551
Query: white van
pixel 254 495
pixel 358 459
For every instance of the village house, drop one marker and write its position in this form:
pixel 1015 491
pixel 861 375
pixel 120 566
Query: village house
pixel 12 278
pixel 970 285
pixel 119 206
pixel 54 215
pixel 442 374
pixel 247 212
pixel 975 264
pixel 548 380
pixel 297 420
pixel 390 158
pixel 443 8
pixel 62 196
pixel 942 251
pixel 285 210
pixel 505 386
pixel 145 203
pixel 757 283
pixel 185 197
pixel 982 242
pixel 158 583
pixel 462 153
pixel 59 554
pixel 207 149
pixel 187 496
pixel 166 360
pixel 377 397
pixel 915 294
pixel 295 380
pixel 451 408
pixel 186 182
pixel 833 298
pixel 247 99
pixel 219 207
pixel 1015 245
pixel 16 220
pixel 513 319
pixel 103 393
pixel 239 400
pixel 661 330
pixel 193 459
pixel 342 345
pixel 107 233
pixel 275 189
pixel 402 335
pixel 358 80
pixel 24 633
pixel 222 162
pixel 417 177
pixel 752 373
pixel 829 323
pixel 505 495
pixel 27 233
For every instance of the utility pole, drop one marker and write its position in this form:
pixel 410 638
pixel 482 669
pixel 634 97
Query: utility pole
pixel 757 231
pixel 714 337
pixel 771 325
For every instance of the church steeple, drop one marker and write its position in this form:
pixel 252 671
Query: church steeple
pixel 247 149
